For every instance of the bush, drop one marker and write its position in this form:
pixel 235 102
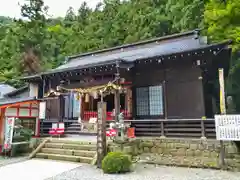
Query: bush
pixel 19 149
pixel 18 138
pixel 116 162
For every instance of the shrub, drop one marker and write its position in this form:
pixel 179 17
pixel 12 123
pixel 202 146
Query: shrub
pixel 18 138
pixel 19 149
pixel 116 162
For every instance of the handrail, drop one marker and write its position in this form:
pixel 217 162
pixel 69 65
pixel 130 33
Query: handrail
pixel 202 128
pixel 163 120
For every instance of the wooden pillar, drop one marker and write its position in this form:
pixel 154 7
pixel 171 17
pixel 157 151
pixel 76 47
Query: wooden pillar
pixel 83 104
pixel 61 108
pixel 129 101
pixel 165 100
pixel 2 124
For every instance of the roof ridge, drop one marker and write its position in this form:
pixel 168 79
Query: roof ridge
pixel 195 31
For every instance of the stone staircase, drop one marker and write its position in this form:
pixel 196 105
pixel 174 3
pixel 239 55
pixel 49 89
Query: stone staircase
pixel 68 150
pixel 74 128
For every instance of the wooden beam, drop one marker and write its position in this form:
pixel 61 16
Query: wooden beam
pixel 16 104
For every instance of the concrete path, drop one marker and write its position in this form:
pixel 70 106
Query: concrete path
pixel 35 169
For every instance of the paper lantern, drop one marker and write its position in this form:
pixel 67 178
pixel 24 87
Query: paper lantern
pixel 122 80
pixel 95 95
pixel 78 97
pixel 58 88
pixel 87 98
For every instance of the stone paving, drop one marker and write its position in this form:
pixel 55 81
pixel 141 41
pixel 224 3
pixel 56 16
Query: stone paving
pixel 6 160
pixel 148 172
pixel 57 170
pixel 35 169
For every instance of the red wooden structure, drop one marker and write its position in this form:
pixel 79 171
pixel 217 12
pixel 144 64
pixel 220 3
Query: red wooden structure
pixel 93 114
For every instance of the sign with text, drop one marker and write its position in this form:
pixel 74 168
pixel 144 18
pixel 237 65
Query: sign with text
pixel 227 127
pixel 8 135
pixel 101 133
pixel 42 110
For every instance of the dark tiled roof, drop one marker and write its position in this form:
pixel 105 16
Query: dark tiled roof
pixel 167 45
pixel 89 60
pixel 140 43
pixel 135 54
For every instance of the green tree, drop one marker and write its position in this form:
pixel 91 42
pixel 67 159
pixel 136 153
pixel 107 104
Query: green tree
pixel 32 41
pixel 222 22
pixel 46 41
pixel 185 14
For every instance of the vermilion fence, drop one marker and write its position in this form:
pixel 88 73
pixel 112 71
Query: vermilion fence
pixel 93 114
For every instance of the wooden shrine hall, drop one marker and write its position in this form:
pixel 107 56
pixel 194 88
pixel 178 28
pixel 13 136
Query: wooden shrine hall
pixel 168 79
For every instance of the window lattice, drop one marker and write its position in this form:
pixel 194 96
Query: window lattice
pixel 155 100
pixel 142 101
pixel 149 101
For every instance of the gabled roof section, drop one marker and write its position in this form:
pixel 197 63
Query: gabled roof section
pixel 17 91
pixel 5 88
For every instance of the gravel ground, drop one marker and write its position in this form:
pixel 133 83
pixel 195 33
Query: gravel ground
pixel 149 172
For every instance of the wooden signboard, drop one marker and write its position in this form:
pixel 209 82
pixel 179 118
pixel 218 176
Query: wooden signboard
pixel 101 133
pixel 227 127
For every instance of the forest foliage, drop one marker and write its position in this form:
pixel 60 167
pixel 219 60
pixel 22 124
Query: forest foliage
pixel 37 42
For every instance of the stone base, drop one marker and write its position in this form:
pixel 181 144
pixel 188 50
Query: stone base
pixel 201 153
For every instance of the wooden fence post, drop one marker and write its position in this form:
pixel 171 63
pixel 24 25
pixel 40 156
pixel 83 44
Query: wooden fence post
pixel 203 129
pixel 162 129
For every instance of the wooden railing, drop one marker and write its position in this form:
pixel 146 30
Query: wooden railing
pixel 184 128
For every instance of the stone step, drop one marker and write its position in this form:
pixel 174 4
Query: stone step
pixel 70 152
pixel 64 157
pixel 78 132
pixel 75 124
pixel 72 131
pixel 74 128
pixel 73 141
pixel 87 147
pixel 70 121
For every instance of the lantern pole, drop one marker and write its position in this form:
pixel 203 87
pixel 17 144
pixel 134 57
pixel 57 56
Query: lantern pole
pixel 117 94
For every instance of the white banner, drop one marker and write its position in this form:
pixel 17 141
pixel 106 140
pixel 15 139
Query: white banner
pixel 42 110
pixel 8 135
